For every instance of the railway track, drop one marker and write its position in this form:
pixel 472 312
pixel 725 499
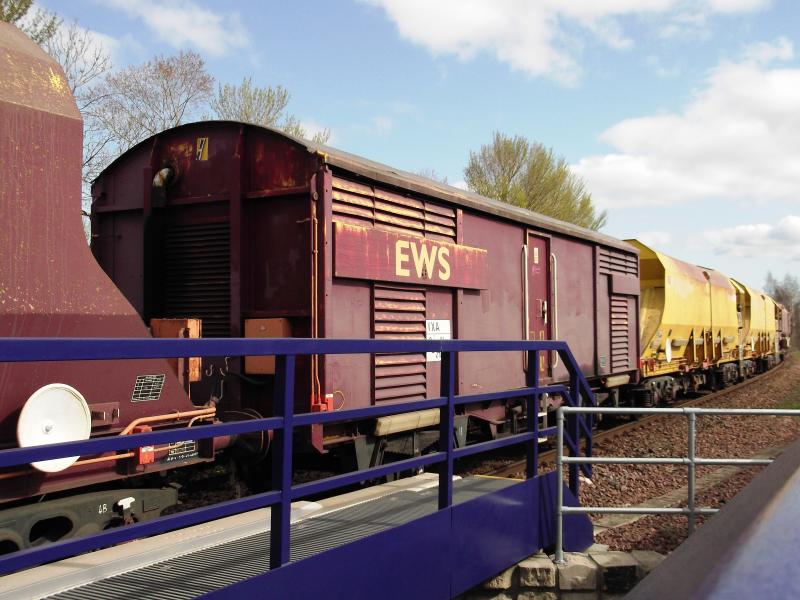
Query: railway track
pixel 550 455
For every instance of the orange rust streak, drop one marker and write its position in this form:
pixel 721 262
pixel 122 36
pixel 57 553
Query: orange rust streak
pixel 99 459
pixel 205 412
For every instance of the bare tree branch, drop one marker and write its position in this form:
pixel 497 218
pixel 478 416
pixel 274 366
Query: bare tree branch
pixel 142 100
pixel 265 106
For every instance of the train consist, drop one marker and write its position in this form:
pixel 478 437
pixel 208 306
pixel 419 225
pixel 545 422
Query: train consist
pixel 701 328
pixel 224 229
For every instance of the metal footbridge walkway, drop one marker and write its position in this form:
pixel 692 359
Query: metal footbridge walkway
pixel 432 543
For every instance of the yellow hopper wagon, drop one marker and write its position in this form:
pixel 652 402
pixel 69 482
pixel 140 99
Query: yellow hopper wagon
pixel 761 321
pixel 690 331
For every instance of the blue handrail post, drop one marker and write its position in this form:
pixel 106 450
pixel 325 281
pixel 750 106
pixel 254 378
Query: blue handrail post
pixel 446 418
pixel 574 431
pixel 532 409
pixel 280 515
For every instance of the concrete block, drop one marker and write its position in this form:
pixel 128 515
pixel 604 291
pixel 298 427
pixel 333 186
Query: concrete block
pixel 579 572
pixel 597 548
pixel 618 571
pixel 537 572
pixel 579 596
pixel 537 595
pixel 647 559
pixel 501 581
pixel 486 595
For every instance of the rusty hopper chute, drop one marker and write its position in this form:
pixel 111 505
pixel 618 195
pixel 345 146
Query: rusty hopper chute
pixel 50 286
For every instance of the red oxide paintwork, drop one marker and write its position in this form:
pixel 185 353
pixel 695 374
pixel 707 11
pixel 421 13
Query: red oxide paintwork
pixel 268 189
pixel 50 286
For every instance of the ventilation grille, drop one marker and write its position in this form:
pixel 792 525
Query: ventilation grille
pixel 197 275
pixel 616 261
pixel 620 327
pixel 363 205
pixel 399 314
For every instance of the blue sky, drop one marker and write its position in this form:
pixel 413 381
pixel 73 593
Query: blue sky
pixel 682 116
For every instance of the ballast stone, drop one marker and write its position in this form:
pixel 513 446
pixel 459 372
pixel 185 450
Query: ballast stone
pixel 579 572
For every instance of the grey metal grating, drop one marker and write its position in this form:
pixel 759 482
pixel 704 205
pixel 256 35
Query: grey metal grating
pixel 203 571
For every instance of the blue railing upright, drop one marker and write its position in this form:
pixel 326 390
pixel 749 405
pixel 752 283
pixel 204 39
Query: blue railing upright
pixel 284 422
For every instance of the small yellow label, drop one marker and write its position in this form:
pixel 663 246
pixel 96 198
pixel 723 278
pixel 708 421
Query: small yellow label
pixel 202 148
pixel 535 255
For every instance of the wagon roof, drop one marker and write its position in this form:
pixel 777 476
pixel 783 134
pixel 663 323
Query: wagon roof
pixel 376 171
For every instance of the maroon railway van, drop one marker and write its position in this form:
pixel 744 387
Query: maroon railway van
pixel 257 233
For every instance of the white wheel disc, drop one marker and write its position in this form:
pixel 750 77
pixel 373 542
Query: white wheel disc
pixel 54 413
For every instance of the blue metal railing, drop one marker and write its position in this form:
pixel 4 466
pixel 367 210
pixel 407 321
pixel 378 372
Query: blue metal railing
pixel 284 422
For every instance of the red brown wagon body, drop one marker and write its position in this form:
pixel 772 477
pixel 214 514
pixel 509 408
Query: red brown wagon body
pixel 260 234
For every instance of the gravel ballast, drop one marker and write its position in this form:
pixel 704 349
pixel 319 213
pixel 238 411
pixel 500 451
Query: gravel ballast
pixel 717 437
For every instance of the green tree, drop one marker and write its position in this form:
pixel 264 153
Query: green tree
pixel 527 174
pixel 265 106
pixel 40 25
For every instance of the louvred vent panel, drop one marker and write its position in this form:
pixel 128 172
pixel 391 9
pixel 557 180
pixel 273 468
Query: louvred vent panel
pixel 399 313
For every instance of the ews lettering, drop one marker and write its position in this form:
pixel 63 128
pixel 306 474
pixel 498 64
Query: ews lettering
pixel 426 261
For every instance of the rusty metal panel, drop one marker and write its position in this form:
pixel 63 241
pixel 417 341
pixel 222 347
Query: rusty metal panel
pixel 627 285
pixel 49 283
pixel 364 205
pixel 365 253
pixel 277 264
pixel 349 377
pixel 576 317
pixel 495 313
pixel 399 313
pixel 180 328
pixel 602 329
pixel 616 261
pixel 620 333
pixel 439 304
pixel 264 328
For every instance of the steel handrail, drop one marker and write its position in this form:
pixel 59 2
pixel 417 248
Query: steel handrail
pixel 691 461
pixel 282 424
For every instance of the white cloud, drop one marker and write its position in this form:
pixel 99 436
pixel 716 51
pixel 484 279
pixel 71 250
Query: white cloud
pixel 736 139
pixel 730 6
pixel 764 52
pixel 313 127
pixel 661 69
pixel 381 125
pixel 656 239
pixel 533 36
pixel 182 23
pixel 781 239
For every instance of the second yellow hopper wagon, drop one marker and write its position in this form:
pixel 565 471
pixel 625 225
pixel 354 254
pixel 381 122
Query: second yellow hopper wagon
pixel 760 316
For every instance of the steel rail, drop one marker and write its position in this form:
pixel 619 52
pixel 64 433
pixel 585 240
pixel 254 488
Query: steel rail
pixel 549 455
